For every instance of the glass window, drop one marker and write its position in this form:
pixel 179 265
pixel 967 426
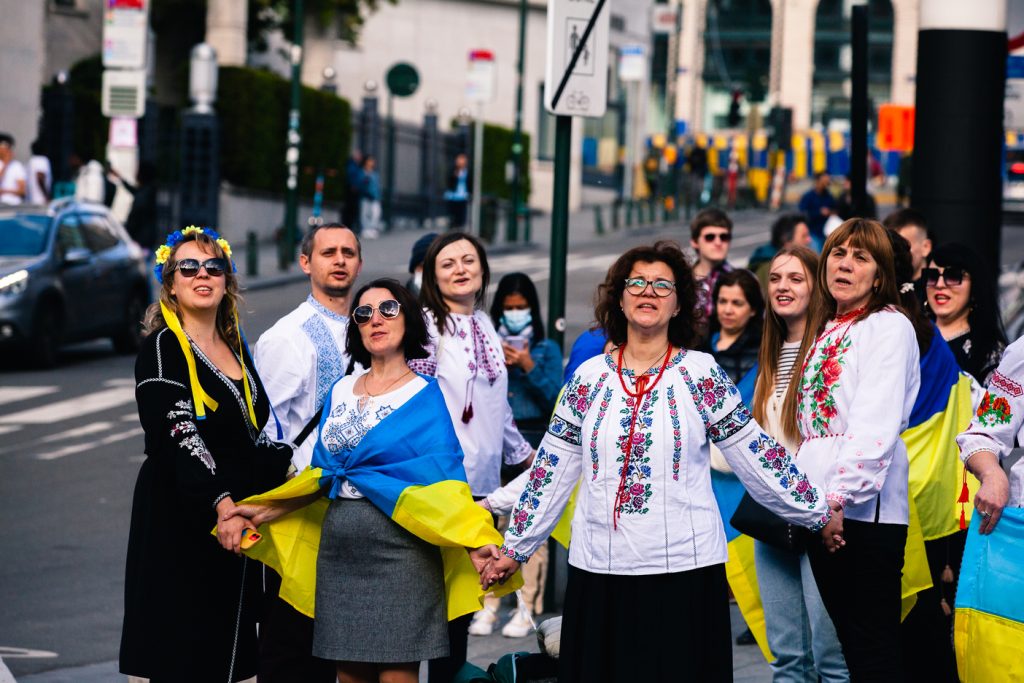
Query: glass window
pixel 69 235
pixel 23 235
pixel 99 234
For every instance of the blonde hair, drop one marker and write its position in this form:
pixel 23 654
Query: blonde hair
pixel 154 319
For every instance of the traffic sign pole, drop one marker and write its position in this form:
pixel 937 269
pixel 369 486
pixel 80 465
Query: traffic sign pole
pixel 559 230
pixel 291 207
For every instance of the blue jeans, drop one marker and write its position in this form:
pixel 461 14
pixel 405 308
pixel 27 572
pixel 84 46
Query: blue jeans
pixel 800 632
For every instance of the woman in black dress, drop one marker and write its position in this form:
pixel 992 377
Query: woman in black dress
pixel 190 606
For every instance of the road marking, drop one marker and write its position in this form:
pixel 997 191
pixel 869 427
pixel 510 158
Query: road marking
pixel 130 417
pixel 72 407
pixel 5 673
pixel 84 430
pixel 78 448
pixel 7 429
pixel 24 653
pixel 15 394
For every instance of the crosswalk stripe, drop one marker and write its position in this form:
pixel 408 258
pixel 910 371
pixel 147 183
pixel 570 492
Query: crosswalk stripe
pixel 78 448
pixel 7 429
pixel 84 430
pixel 15 394
pixel 72 407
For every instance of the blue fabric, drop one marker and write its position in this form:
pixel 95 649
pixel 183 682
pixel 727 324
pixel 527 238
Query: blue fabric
pixel 728 490
pixel 939 375
pixel 371 185
pixel 587 345
pixel 532 395
pixel 991 579
pixel 409 447
pixel 746 386
pixel 811 205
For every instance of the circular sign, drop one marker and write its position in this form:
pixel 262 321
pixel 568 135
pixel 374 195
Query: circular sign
pixel 403 79
pixel 560 324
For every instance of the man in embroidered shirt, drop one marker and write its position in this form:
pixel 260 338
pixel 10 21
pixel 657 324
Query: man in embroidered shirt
pixel 299 359
pixel 710 234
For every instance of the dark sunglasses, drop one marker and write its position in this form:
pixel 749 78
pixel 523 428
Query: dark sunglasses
pixel 388 309
pixel 712 236
pixel 189 267
pixel 953 276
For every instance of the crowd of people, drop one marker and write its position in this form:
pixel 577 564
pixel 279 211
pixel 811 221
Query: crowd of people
pixel 390 427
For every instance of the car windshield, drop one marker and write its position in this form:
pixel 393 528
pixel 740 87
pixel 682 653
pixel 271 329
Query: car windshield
pixel 23 234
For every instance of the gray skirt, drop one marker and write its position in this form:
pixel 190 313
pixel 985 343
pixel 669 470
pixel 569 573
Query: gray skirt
pixel 379 590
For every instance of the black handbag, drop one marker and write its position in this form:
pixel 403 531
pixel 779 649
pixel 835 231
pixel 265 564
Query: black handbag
pixel 755 520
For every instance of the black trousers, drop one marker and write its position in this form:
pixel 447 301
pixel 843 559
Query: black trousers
pixel 286 643
pixel 443 670
pixel 860 587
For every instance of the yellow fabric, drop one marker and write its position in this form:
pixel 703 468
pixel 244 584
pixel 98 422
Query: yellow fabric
pixel 563 530
pixel 936 472
pixel 1001 658
pixel 916 574
pixel 741 572
pixel 241 359
pixel 199 397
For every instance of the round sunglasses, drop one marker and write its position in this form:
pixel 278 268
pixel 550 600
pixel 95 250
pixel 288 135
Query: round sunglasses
pixel 952 276
pixel 388 309
pixel 189 267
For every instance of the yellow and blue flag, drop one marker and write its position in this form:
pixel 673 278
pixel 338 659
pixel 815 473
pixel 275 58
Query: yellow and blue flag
pixel 410 467
pixel 989 625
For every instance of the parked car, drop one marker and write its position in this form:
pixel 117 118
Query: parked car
pixel 69 272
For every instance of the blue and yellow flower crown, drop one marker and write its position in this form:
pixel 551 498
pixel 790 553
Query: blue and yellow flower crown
pixel 164 251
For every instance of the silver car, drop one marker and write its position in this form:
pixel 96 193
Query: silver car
pixel 69 272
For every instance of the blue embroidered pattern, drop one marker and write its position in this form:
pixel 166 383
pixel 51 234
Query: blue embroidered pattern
pixel 566 431
pixel 329 362
pixel 326 312
pixel 730 424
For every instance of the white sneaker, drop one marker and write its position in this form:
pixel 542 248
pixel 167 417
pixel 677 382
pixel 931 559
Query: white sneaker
pixel 520 625
pixel 483 622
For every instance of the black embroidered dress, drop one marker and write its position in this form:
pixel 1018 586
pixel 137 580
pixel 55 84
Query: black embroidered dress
pixel 191 606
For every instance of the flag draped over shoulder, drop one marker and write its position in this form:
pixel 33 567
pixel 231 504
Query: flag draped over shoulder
pixel 989 625
pixel 410 467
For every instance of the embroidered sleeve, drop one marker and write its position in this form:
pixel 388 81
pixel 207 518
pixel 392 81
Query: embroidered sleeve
pixel 428 366
pixel 1000 415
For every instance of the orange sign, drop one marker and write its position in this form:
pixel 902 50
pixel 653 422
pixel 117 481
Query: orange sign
pixel 895 128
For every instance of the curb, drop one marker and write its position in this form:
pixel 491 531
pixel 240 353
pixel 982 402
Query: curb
pixel 275 281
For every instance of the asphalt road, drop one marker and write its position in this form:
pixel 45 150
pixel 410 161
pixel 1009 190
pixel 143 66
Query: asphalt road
pixel 71 446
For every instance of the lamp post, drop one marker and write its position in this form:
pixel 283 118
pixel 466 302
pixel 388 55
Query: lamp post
pixel 291 210
pixel 200 162
pixel 512 233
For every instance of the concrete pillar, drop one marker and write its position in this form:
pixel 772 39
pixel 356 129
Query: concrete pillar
pixel 226 24
pixel 23 55
pixel 690 64
pixel 904 50
pixel 791 73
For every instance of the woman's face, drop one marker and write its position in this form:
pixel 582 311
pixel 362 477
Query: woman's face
pixel 950 302
pixel 459 273
pixel 382 337
pixel 648 312
pixel 851 274
pixel 733 309
pixel 515 302
pixel 200 293
pixel 789 289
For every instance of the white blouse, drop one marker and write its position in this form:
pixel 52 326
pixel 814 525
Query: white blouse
pixel 858 386
pixel 470 370
pixel 669 521
pixel 351 416
pixel 1000 417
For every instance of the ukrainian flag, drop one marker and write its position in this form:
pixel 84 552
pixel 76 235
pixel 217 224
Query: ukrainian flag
pixel 989 624
pixel 410 467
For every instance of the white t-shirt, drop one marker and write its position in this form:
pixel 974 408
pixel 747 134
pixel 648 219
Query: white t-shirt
pixel 9 178
pixel 34 194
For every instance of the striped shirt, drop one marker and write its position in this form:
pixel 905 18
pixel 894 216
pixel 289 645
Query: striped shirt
pixel 787 359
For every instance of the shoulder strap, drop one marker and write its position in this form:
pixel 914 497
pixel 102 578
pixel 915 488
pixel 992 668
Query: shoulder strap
pixel 308 429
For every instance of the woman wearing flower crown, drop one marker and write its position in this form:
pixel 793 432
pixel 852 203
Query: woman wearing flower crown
pixel 190 607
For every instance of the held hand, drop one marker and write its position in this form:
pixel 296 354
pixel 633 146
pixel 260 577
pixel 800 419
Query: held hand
pixel 482 556
pixel 518 357
pixel 991 497
pixel 257 514
pixel 498 571
pixel 229 533
pixel 832 534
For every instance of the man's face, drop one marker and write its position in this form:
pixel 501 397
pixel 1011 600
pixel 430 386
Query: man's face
pixel 920 246
pixel 5 152
pixel 334 263
pixel 712 244
pixel 822 183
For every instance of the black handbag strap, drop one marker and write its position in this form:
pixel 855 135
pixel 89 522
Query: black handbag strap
pixel 308 429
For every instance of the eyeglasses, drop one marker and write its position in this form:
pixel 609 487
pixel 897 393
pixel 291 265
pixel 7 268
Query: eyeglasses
pixel 189 267
pixel 388 309
pixel 710 237
pixel 953 276
pixel 638 285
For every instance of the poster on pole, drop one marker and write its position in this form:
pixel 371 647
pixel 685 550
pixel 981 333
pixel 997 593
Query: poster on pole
pixel 576 74
pixel 125 28
pixel 480 77
pixel 632 63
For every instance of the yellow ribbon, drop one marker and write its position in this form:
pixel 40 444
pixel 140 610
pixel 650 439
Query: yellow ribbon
pixel 245 379
pixel 199 397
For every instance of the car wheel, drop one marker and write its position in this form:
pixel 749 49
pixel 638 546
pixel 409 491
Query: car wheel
pixel 129 338
pixel 45 335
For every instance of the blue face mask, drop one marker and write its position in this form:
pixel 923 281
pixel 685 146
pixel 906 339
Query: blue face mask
pixel 516 320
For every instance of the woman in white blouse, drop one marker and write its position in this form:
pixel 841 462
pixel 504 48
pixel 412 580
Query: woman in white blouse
pixel 469 363
pixel 646 598
pixel 858 383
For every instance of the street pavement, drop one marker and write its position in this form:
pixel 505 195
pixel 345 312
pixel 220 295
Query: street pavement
pixel 71 446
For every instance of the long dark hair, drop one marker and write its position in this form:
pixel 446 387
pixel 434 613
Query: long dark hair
pixel 746 281
pixel 904 266
pixel 430 293
pixel 415 340
pixel 518 283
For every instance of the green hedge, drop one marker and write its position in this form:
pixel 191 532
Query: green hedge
pixel 253 106
pixel 498 151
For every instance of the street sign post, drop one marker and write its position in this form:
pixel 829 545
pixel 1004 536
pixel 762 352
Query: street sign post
pixel 125 29
pixel 480 78
pixel 402 80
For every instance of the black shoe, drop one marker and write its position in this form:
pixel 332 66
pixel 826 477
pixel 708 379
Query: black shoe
pixel 746 638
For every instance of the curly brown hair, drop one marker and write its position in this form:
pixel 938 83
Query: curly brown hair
pixel 683 327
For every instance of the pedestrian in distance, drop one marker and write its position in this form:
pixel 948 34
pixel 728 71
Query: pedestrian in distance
pixel 818 204
pixel 300 358
pixel 633 428
pixel 353 185
pixel 735 331
pixel 913 227
pixel 40 176
pixel 191 606
pixel 789 229
pixel 458 192
pixel 419 252
pixel 369 199
pixel 12 173
pixel 142 219
pixel 710 235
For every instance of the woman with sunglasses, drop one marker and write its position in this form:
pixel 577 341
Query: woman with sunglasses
pixel 467 358
pixel 646 598
pixel 963 299
pixel 190 607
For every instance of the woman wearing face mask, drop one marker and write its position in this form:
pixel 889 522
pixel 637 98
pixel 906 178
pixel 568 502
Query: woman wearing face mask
pixel 962 297
pixel 800 633
pixel 736 327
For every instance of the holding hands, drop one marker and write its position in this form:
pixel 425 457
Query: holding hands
pixel 832 534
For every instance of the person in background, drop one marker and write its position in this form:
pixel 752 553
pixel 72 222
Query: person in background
pixel 789 229
pixel 419 251
pixel 913 227
pixel 710 234
pixel 12 173
pixel 736 322
pixel 800 633
pixel 90 178
pixel 844 205
pixel 40 176
pixel 591 342
pixel 962 296
pixel 353 184
pixel 369 201
pixel 142 219
pixel 818 204
pixel 456 196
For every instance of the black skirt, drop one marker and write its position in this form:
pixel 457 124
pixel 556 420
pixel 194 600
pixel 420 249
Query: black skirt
pixel 658 627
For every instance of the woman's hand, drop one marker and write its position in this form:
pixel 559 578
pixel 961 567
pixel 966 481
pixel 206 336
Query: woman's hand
pixel 230 526
pixel 258 514
pixel 518 357
pixel 994 493
pixel 832 534
pixel 498 571
pixel 481 556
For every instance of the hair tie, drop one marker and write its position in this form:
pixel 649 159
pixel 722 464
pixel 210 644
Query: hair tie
pixel 906 287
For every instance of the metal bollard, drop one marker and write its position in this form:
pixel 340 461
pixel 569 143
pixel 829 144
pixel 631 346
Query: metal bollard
pixel 616 205
pixel 629 213
pixel 598 220
pixel 652 209
pixel 252 255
